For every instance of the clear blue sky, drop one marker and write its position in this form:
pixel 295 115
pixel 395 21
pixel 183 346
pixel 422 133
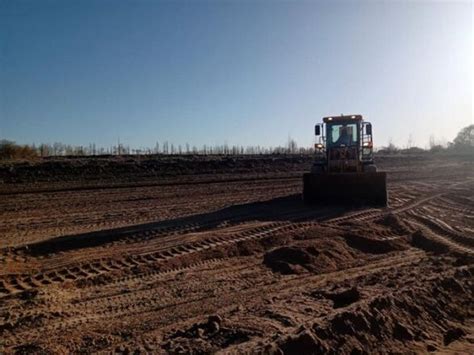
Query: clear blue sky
pixel 241 72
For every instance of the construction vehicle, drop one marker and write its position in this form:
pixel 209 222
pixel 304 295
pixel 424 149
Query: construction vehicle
pixel 343 169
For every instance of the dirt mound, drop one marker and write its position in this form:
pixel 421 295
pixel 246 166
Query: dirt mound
pixel 242 248
pixel 422 241
pixel 288 260
pixel 314 256
pixel 453 335
pixel 416 319
pixel 385 227
pixel 373 245
pixel 394 224
pixel 318 232
pixel 304 342
pixel 30 349
pixel 207 337
pixel 341 298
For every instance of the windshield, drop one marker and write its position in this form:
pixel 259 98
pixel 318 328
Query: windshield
pixel 342 134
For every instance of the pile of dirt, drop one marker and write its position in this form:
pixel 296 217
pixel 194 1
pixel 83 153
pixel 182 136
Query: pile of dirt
pixel 317 232
pixel 324 249
pixel 207 337
pixel 393 223
pixel 340 298
pixel 419 319
pixel 316 256
pixel 422 241
pixel 302 343
pixel 374 245
pixel 29 349
pixel 290 260
pixel 385 234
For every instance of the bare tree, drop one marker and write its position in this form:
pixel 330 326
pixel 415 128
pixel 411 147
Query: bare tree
pixel 292 146
pixel 410 141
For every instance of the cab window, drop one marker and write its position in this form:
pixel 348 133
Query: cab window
pixel 342 134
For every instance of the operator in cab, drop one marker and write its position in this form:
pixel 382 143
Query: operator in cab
pixel 345 137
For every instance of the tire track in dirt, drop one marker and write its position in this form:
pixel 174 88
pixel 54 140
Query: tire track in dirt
pixel 442 233
pixel 95 217
pixel 370 214
pixel 145 255
pixel 12 284
pixel 191 182
pixel 141 302
pixel 156 230
pixel 136 257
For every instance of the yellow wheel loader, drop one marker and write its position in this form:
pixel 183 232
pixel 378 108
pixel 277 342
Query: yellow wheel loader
pixel 343 170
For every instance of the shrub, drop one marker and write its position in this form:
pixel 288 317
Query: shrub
pixel 11 151
pixel 464 141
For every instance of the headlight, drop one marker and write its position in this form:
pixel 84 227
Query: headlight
pixel 318 146
pixel 367 144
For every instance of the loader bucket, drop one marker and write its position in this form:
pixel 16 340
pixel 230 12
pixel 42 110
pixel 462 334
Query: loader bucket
pixel 335 188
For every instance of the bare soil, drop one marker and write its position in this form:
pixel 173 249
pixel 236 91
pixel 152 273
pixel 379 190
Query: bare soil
pixel 220 255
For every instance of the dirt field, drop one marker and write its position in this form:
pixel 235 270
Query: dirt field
pixel 180 255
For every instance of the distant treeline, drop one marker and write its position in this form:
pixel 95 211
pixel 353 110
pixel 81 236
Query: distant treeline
pixel 11 150
pixel 463 143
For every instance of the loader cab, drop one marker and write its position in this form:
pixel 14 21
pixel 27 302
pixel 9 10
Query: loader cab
pixel 343 130
pixel 342 134
pixel 343 143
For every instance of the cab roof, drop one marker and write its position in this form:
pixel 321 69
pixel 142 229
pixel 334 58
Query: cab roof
pixel 342 118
